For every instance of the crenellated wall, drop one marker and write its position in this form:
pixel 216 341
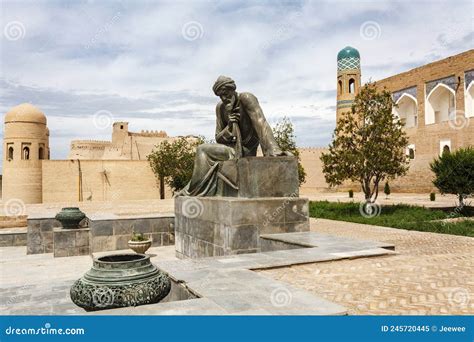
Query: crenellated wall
pixel 99 180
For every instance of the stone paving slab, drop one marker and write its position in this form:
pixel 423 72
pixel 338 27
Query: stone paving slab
pixel 313 239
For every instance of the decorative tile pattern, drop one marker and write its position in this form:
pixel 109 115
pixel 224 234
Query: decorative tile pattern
pixel 348 63
pixel 410 91
pixel 448 81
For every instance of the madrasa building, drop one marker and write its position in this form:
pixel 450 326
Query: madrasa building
pixel 435 103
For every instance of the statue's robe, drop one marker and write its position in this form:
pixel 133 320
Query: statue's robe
pixel 254 131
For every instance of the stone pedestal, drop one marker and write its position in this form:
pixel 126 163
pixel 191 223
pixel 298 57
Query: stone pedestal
pixel 40 234
pixel 70 242
pixel 215 226
pixel 259 177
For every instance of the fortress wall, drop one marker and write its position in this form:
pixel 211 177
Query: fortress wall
pixel 88 149
pixel 22 181
pixel 315 181
pixel 102 180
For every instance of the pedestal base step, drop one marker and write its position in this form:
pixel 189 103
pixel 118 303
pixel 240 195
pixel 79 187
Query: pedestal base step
pixel 313 239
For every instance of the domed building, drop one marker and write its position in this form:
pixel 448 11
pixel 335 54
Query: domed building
pixel 348 78
pixel 25 145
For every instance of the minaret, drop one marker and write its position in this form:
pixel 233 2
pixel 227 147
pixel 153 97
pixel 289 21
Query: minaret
pixel 348 79
pixel 25 146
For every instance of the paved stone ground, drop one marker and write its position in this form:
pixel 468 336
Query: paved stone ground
pixel 432 274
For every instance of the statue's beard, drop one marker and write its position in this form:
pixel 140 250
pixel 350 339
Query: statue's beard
pixel 229 104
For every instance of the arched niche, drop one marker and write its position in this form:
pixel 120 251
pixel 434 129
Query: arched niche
pixel 440 104
pixel 407 110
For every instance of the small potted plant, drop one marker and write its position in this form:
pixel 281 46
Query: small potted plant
pixel 139 243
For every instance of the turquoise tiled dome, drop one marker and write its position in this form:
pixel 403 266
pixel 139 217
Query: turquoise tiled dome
pixel 348 58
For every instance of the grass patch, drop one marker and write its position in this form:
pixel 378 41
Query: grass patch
pixel 396 216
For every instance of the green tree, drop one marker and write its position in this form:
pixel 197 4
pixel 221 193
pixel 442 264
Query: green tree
pixel 368 144
pixel 173 162
pixel 454 173
pixel 284 134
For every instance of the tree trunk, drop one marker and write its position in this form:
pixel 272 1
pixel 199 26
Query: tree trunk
pixel 162 187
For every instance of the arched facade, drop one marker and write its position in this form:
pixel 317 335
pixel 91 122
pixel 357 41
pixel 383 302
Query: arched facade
pixel 440 104
pixel 469 100
pixel 407 110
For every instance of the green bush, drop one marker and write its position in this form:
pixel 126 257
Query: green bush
pixel 454 173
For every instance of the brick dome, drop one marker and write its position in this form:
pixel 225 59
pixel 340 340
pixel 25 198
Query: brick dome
pixel 25 112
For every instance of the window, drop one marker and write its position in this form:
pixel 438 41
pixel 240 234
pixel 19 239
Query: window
pixel 10 153
pixel 352 86
pixel 41 153
pixel 444 147
pixel 410 151
pixel 26 153
pixel 340 86
pixel 121 126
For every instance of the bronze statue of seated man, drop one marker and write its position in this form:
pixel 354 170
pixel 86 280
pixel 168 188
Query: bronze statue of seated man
pixel 240 128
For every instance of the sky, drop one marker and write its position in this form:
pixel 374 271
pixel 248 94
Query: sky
pixel 86 64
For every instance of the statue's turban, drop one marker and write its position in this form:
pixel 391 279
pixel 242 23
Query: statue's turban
pixel 223 81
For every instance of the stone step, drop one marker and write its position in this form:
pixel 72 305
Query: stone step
pixel 313 239
pixel 10 237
